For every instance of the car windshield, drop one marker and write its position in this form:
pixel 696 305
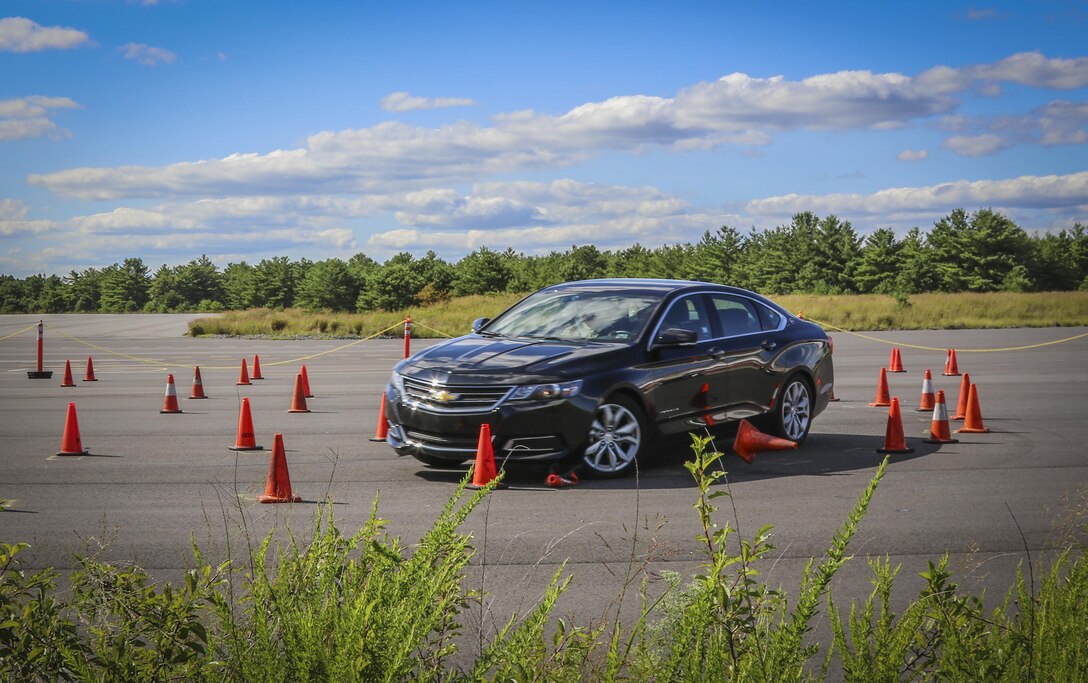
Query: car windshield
pixel 578 315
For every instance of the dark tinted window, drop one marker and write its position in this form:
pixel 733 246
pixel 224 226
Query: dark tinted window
pixel 736 315
pixel 687 314
pixel 770 318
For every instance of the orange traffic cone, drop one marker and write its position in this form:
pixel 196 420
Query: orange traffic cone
pixel 243 375
pixel 965 392
pixel 833 398
pixel 950 365
pixel 750 441
pixel 298 401
pixel 67 382
pixel 557 481
pixel 256 368
pixel 883 394
pixel 170 400
pixel 927 402
pixel 89 375
pixel 895 364
pixel 245 440
pixel 198 385
pixel 894 441
pixel 277 485
pixel 484 472
pixel 938 428
pixel 972 423
pixel 381 430
pixel 306 384
pixel 70 443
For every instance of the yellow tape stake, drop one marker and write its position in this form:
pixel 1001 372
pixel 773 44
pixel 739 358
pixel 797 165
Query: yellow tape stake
pixel 958 350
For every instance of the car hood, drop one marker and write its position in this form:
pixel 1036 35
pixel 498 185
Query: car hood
pixel 477 354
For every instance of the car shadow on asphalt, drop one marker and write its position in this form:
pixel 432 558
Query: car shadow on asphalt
pixel 663 466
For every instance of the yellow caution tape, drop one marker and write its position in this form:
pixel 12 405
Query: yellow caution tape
pixel 152 361
pixel 447 336
pixel 958 350
pixel 16 334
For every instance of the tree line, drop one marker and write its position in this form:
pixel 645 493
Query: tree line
pixel 981 252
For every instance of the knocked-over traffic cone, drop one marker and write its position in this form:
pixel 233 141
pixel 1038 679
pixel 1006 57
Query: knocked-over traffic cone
pixel 833 398
pixel 381 430
pixel 89 375
pixel 243 375
pixel 298 401
pixel 750 441
pixel 277 485
pixel 245 440
pixel 894 441
pixel 883 394
pixel 938 429
pixel 927 402
pixel 198 385
pixel 951 367
pixel 306 384
pixel 895 364
pixel 67 381
pixel 965 393
pixel 70 443
pixel 256 368
pixel 972 423
pixel 170 400
pixel 557 481
pixel 484 472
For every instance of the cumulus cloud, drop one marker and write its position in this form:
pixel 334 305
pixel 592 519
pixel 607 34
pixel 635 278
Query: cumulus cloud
pixel 402 101
pixel 974 145
pixel 18 34
pixel 147 55
pixel 1025 192
pixel 13 219
pixel 737 109
pixel 29 117
pixel 912 155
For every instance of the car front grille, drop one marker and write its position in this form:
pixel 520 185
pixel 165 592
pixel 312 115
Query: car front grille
pixel 453 398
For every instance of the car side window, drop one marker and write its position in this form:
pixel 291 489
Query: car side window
pixel 770 318
pixel 687 314
pixel 736 315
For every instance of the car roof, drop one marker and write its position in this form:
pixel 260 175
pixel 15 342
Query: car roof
pixel 659 285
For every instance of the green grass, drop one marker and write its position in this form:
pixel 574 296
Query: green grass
pixel 848 312
pixel 366 607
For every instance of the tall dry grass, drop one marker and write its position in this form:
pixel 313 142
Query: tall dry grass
pixel 849 312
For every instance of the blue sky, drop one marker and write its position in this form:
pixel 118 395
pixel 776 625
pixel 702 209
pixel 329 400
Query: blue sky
pixel 170 129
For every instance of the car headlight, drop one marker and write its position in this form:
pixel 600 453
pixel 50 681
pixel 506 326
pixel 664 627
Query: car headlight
pixel 546 392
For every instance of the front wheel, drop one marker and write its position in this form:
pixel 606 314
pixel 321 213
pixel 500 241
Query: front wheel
pixel 616 437
pixel 792 417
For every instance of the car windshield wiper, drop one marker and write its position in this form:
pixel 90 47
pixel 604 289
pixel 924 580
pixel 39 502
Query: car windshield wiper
pixel 489 333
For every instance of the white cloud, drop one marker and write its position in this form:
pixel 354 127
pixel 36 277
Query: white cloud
pixel 912 155
pixel 1024 192
pixel 397 158
pixel 974 145
pixel 29 117
pixel 147 55
pixel 13 219
pixel 402 101
pixel 18 34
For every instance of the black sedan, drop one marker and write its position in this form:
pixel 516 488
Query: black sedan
pixel 592 371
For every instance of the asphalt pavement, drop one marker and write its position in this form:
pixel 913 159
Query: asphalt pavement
pixel 152 481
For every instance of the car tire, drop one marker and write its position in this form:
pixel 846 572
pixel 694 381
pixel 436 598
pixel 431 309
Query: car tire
pixel 792 415
pixel 616 438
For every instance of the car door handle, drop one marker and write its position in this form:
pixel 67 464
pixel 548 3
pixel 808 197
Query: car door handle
pixel 715 353
pixel 768 345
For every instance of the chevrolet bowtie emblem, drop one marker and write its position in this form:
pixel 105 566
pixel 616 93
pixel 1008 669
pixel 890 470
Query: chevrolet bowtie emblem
pixel 443 396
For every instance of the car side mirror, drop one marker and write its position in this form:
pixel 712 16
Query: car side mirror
pixel 675 336
pixel 478 323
